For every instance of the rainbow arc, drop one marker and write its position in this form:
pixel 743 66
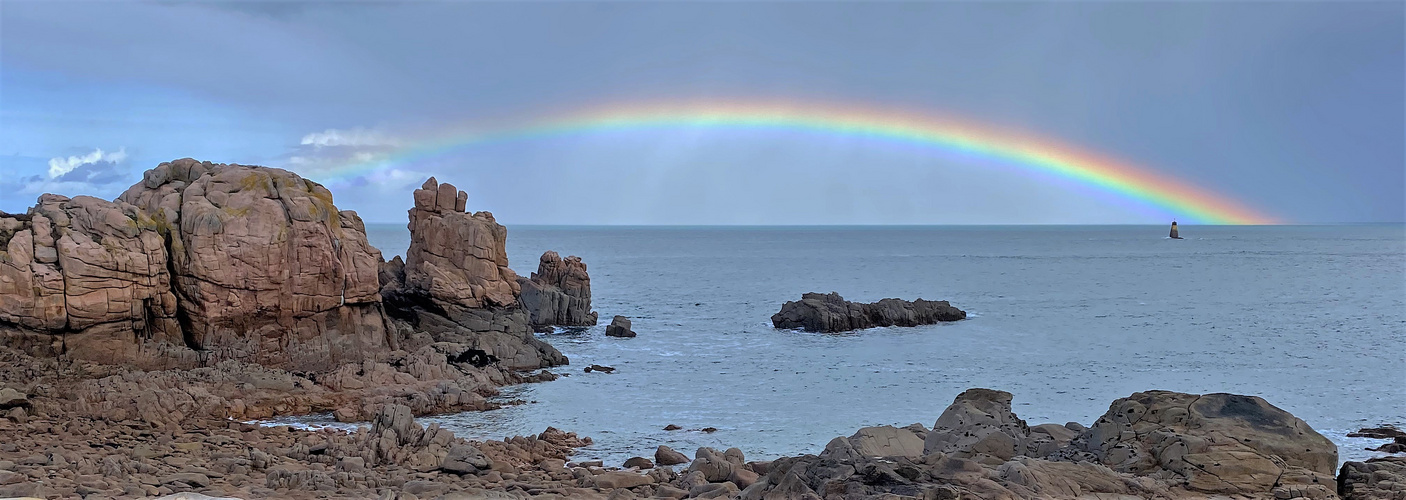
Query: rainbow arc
pixel 1133 183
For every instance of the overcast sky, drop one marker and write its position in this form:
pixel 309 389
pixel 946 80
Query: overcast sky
pixel 1293 108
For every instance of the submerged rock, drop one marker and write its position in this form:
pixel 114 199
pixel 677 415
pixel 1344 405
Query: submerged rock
pixel 829 313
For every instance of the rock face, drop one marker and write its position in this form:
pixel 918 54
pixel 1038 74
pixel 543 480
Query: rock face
pixel 93 272
pixel 202 262
pixel 455 284
pixel 831 313
pixel 197 263
pixel 1375 479
pixel 1218 443
pixel 266 269
pixel 883 441
pixel 559 293
pixel 619 327
pixel 1155 444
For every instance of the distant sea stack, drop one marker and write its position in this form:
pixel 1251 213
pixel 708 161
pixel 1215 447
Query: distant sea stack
pixel 559 293
pixel 1174 235
pixel 830 313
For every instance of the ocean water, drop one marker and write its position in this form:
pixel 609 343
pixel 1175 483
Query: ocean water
pixel 1067 318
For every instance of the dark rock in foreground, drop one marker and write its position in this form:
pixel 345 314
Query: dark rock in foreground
pixel 1378 478
pixel 829 313
pixel 1154 444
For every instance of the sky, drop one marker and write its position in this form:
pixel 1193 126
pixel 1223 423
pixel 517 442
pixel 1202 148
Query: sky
pixel 1294 109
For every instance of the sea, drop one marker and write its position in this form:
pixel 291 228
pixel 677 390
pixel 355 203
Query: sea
pixel 1066 318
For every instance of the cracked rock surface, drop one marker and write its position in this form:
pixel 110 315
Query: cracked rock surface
pixel 201 263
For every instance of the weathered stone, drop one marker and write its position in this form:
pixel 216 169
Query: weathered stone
pixel 832 313
pixel 665 455
pixel 94 270
pixel 619 327
pixel 1220 443
pixel 559 293
pixel 1378 478
pixel 465 459
pixel 884 441
pixel 455 284
pixel 10 398
pixel 621 479
pixel 979 422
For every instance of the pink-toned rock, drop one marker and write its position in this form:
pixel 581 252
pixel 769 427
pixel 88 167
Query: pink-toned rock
pixel 457 257
pixel 266 268
pixel 106 285
pixel 455 284
pixel 559 293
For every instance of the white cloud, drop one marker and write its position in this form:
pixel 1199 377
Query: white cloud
pixel 358 137
pixel 61 165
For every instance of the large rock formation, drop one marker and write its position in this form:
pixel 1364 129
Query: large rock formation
pixel 1213 443
pixel 455 284
pixel 1155 444
pixel 266 269
pixel 197 263
pixel 830 313
pixel 86 277
pixel 202 262
pixel 559 293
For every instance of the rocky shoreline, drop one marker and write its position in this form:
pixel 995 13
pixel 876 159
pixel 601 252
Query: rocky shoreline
pixel 138 336
pixel 172 431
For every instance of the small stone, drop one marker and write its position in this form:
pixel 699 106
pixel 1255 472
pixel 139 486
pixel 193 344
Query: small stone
pixel 10 398
pixel 352 464
pixel 191 478
pixel 640 462
pixel 621 479
pixel 665 455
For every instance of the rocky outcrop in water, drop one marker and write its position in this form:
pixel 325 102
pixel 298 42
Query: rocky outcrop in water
pixel 829 313
pixel 455 284
pixel 619 327
pixel 559 293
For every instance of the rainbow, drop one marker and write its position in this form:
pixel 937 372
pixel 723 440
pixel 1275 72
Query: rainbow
pixel 1140 185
